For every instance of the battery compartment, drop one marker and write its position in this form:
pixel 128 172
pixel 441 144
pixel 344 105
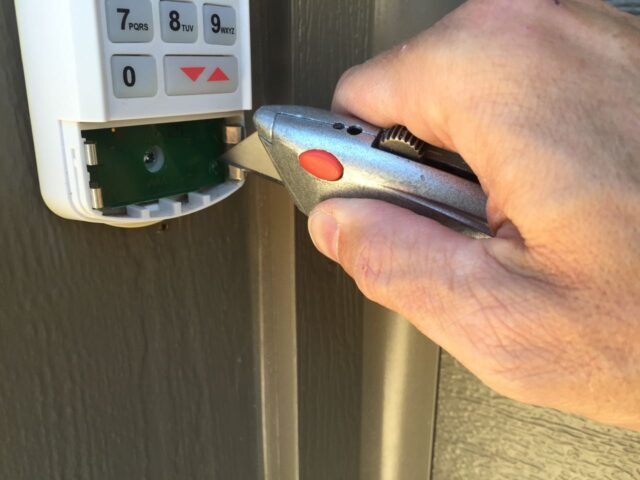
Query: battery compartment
pixel 136 165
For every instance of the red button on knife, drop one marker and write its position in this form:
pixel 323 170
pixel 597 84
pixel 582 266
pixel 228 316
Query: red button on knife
pixel 321 164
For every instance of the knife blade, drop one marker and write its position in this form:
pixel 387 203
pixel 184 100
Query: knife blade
pixel 250 155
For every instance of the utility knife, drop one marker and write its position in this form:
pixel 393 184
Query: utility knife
pixel 318 155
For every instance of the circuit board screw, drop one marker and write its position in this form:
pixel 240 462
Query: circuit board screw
pixel 153 159
pixel 149 158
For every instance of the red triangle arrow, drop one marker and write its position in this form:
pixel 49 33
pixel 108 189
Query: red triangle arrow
pixel 192 72
pixel 218 76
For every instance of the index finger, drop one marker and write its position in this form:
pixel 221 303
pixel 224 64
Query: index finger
pixel 398 87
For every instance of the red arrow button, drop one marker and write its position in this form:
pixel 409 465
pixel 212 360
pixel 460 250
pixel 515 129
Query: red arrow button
pixel 218 76
pixel 192 72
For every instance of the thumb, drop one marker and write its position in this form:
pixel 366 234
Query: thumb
pixel 431 275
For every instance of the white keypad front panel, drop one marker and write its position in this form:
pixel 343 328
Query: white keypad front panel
pixel 113 64
pixel 176 57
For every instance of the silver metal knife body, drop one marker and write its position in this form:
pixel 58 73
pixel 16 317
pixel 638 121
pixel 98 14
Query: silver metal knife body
pixel 320 155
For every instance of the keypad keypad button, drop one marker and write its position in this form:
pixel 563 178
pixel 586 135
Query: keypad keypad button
pixel 178 22
pixel 129 21
pixel 219 25
pixel 134 76
pixel 193 75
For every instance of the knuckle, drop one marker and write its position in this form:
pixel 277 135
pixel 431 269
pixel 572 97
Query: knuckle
pixel 478 12
pixel 347 77
pixel 506 7
pixel 506 21
pixel 344 88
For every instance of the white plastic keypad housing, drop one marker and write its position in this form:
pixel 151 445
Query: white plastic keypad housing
pixel 96 64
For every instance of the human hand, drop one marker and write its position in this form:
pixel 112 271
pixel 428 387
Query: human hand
pixel 542 99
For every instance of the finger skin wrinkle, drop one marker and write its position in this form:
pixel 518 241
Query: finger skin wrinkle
pixel 514 260
pixel 372 265
pixel 386 271
pixel 503 313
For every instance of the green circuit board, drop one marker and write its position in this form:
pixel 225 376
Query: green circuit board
pixel 145 163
